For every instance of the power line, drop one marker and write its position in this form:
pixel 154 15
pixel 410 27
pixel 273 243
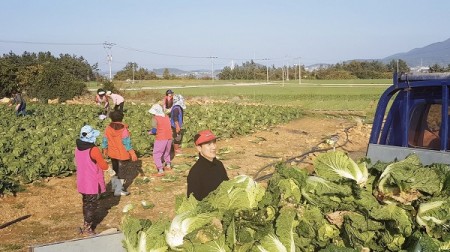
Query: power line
pixel 163 54
pixel 48 43
pixel 108 46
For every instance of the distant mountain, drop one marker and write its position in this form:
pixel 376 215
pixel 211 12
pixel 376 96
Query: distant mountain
pixel 436 53
pixel 179 72
pixel 176 71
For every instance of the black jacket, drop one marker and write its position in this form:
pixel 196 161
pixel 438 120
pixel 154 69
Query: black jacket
pixel 204 177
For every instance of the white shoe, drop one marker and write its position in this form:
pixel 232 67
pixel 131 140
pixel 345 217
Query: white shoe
pixel 114 181
pixel 119 188
pixel 121 193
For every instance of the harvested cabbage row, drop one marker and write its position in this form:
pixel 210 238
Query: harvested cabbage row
pixel 343 206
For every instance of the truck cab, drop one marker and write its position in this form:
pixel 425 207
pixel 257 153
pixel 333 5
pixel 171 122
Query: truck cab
pixel 412 116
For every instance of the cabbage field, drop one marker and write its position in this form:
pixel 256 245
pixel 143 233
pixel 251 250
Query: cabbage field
pixel 344 206
pixel 42 143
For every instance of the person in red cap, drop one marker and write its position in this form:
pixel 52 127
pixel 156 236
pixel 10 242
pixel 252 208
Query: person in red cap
pixel 208 172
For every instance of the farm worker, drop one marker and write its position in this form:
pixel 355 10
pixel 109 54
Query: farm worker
pixel 102 99
pixel 21 105
pixel 168 101
pixel 176 121
pixel 117 146
pixel 208 172
pixel 117 99
pixel 90 181
pixel 163 139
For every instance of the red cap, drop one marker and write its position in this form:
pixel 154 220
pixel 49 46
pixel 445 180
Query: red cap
pixel 204 136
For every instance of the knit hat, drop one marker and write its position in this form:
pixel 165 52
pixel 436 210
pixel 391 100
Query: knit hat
pixel 88 134
pixel 156 109
pixel 204 136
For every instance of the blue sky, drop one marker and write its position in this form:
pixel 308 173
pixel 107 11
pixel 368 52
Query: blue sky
pixel 185 34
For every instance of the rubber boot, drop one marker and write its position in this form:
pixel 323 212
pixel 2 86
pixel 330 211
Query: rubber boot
pixel 114 181
pixel 177 149
pixel 119 188
pixel 87 229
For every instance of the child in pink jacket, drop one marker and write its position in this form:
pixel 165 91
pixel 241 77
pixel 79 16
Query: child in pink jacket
pixel 90 181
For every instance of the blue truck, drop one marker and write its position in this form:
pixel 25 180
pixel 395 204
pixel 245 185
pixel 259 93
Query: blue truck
pixel 412 116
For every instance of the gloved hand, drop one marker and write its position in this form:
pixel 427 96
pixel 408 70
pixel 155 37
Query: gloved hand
pixel 111 172
pixel 177 128
pixel 152 131
pixel 133 155
pixel 105 152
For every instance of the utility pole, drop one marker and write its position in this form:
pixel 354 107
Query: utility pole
pixel 267 70
pixel 212 67
pixel 299 71
pixel 287 72
pixel 134 65
pixel 108 47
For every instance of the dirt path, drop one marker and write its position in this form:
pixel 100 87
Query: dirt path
pixel 55 205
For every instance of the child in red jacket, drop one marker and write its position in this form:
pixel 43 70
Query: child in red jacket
pixel 117 146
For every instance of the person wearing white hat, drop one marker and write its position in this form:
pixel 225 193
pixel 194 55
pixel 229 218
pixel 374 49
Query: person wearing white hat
pixel 102 99
pixel 90 180
pixel 163 139
pixel 176 121
pixel 117 99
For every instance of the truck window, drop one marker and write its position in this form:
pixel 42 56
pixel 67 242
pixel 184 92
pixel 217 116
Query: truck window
pixel 425 125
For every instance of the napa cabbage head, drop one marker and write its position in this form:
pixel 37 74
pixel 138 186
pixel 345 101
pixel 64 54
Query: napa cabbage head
pixel 434 216
pixel 239 193
pixel 289 190
pixel 403 181
pixel 336 166
pixel 185 223
pixel 271 243
pixel 286 223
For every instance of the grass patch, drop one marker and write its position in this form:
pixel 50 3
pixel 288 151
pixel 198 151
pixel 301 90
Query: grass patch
pixel 20 205
pixel 11 247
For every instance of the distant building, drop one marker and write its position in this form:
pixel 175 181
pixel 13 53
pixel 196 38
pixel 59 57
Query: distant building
pixel 420 69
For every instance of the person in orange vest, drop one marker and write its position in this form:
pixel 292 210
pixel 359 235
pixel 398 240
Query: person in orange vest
pixel 163 139
pixel 116 145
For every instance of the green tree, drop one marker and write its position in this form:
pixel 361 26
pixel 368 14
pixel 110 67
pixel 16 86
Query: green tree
pixel 436 68
pixel 56 82
pixel 166 74
pixel 400 64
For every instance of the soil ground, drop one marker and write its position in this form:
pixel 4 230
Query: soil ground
pixel 55 208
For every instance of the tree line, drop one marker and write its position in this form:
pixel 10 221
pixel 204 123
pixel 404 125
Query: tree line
pixel 253 71
pixel 347 70
pixel 44 76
